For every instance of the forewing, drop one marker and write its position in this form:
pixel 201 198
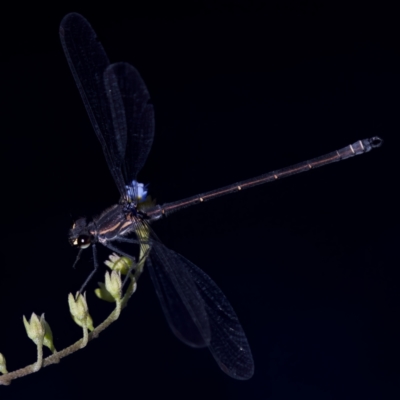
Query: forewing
pixel 88 61
pixel 180 300
pixel 132 115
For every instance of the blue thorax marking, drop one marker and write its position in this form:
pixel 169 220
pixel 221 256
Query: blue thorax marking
pixel 136 192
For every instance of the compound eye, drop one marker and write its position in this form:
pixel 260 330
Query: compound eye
pixel 83 241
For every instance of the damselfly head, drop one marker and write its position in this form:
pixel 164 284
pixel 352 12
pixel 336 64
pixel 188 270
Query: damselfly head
pixel 79 235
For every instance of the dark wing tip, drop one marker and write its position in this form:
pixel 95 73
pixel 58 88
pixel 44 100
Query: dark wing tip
pixel 70 19
pixel 242 374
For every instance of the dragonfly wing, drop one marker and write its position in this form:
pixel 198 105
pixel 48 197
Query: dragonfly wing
pixel 180 300
pixel 228 343
pixel 88 61
pixel 132 114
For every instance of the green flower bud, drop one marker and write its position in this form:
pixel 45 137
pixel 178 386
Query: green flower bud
pixel 3 368
pixel 117 263
pixel 113 284
pixel 48 335
pixel 103 294
pixel 79 311
pixel 35 329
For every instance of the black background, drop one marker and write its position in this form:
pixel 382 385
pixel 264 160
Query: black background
pixel 309 263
